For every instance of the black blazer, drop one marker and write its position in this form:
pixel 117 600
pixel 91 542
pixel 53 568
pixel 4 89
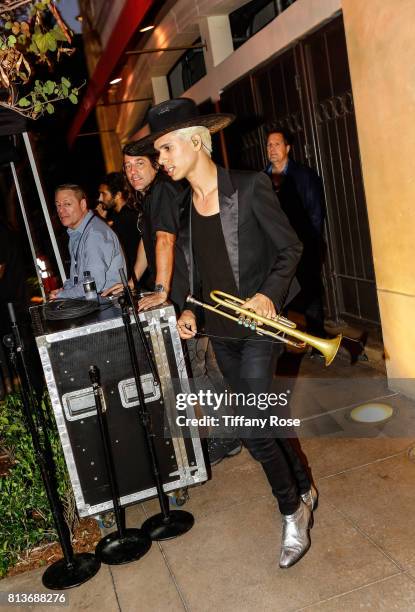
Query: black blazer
pixel 263 248
pixel 301 197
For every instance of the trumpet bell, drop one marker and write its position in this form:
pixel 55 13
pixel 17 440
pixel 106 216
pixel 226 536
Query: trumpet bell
pixel 328 347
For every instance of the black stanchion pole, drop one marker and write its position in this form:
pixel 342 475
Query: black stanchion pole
pixel 168 523
pixel 73 569
pixel 27 389
pixel 123 545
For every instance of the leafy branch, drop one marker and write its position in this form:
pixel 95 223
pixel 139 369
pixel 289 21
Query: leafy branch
pixel 45 94
pixel 25 40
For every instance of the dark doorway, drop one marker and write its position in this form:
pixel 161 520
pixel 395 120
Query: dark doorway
pixel 307 89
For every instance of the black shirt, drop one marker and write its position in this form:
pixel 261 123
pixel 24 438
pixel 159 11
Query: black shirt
pixel 212 261
pixel 160 214
pixel 125 226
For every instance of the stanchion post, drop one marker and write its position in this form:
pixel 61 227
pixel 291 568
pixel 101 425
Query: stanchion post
pixel 123 545
pixel 168 523
pixel 73 569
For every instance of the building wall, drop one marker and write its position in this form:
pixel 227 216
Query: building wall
pixel 300 18
pixel 381 48
pixel 187 20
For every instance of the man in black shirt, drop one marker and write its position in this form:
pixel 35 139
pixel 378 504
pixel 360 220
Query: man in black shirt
pixel 113 197
pixel 158 222
pixel 233 233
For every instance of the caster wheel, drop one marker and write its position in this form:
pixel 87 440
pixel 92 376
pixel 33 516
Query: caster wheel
pixel 179 498
pixel 106 520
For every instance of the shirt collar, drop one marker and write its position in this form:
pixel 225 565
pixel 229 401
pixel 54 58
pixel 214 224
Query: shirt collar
pixel 82 226
pixel 284 171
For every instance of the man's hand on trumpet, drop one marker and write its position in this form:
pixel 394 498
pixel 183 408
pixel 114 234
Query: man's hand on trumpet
pixel 261 305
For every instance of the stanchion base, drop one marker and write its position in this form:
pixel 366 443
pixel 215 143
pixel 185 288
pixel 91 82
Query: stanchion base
pixel 160 528
pixel 61 575
pixel 115 550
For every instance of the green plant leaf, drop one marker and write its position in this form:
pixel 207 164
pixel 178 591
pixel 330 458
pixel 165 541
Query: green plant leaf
pixel 48 87
pixel 65 81
pixel 33 48
pixel 59 35
pixel 11 40
pixel 50 41
pixel 8 25
pixel 41 41
pixel 50 109
pixel 73 98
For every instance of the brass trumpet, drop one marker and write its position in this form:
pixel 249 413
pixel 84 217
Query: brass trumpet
pixel 328 347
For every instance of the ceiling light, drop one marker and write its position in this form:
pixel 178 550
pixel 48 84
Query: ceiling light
pixel 147 28
pixel 115 81
pixel 372 413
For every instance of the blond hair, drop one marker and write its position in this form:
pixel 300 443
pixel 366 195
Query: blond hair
pixel 203 132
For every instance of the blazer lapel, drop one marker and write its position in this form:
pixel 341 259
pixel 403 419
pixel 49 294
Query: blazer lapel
pixel 184 203
pixel 228 208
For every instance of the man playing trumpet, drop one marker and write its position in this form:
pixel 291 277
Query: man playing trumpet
pixel 234 237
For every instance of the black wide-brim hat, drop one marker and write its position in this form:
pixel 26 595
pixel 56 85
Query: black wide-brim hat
pixel 176 114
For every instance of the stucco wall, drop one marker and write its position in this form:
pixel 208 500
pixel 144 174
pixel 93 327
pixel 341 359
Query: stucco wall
pixel 381 47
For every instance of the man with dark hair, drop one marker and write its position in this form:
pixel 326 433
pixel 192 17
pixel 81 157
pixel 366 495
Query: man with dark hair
pixel 234 237
pixel 93 246
pixel 113 197
pixel 154 193
pixel 300 193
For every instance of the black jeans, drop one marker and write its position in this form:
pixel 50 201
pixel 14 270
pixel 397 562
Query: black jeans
pixel 248 366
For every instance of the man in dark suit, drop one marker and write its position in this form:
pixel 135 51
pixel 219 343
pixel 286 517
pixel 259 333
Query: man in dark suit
pixel 300 193
pixel 234 237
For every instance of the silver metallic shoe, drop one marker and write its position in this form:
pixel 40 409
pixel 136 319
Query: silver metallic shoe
pixel 295 535
pixel 311 498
